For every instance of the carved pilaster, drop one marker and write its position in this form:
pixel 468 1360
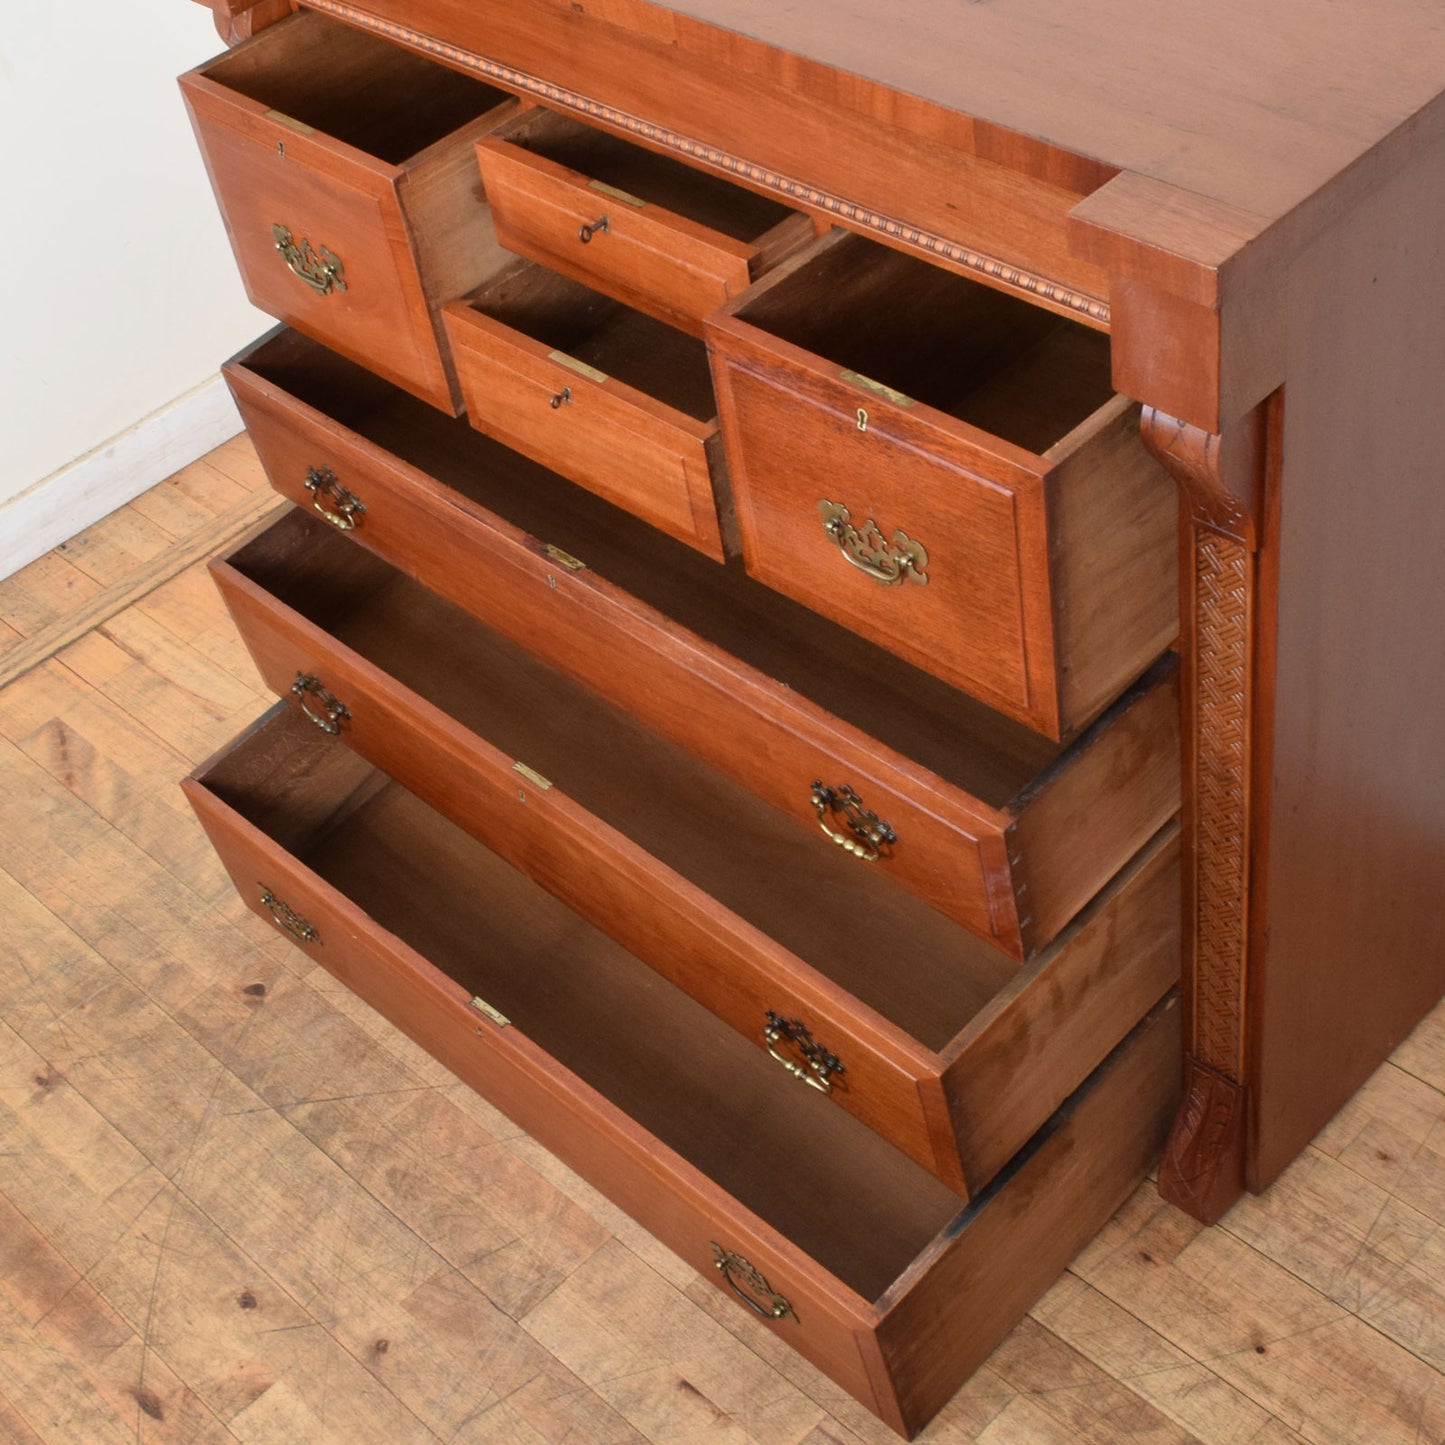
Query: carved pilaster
pixel 1221 481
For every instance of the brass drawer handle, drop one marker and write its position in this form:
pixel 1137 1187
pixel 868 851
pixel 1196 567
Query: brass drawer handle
pixel 888 563
pixel 586 231
pixel 733 1267
pixel 818 1066
pixel 867 833
pixel 348 507
pixel 333 712
pixel 287 918
pixel 318 267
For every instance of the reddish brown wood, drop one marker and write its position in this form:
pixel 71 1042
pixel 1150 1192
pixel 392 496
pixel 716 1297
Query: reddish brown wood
pixel 582 420
pixel 889 1288
pixel 272 166
pixel 942 411
pixel 952 848
pixel 1223 482
pixel 644 228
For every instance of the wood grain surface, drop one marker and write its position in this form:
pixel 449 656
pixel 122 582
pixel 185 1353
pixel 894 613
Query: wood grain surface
pixel 238 1206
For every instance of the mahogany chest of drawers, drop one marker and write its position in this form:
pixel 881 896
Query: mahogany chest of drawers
pixel 731 641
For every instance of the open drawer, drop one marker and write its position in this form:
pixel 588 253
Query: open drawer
pixel 852 1254
pixel 643 227
pixel 615 400
pixel 929 1035
pixel 996 826
pixel 345 170
pixel 946 469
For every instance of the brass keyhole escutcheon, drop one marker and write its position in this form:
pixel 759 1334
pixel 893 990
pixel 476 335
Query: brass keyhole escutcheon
pixel 862 418
pixel 864 833
pixel 346 508
pixel 333 712
pixel 287 918
pixel 814 1065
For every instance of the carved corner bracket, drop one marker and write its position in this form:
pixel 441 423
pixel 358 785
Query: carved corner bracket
pixel 1222 482
pixel 238 20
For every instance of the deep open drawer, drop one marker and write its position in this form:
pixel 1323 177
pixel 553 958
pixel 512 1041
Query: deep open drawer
pixel 947 470
pixel 931 1036
pixel 345 170
pixel 1001 829
pixel 856 1257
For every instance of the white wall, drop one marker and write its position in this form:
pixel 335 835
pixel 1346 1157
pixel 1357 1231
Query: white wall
pixel 118 295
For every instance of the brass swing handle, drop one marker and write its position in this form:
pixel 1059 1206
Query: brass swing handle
pixel 818 1065
pixel 733 1268
pixel 867 834
pixel 346 509
pixel 287 918
pixel 333 712
pixel 317 266
pixel 889 563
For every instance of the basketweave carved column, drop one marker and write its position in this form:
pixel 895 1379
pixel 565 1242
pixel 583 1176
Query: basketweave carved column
pixel 1222 488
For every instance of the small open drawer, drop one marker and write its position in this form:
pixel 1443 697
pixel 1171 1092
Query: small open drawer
pixel 859 1259
pixel 1000 828
pixel 345 170
pixel 946 469
pixel 643 227
pixel 931 1036
pixel 612 398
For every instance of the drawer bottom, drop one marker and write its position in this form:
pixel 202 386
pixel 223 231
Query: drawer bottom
pixel 845 1247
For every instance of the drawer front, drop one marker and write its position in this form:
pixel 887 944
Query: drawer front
pixel 716 957
pixel 661 263
pixel 853 504
pixel 639 454
pixel 292 201
pixel 949 850
pixel 665 1194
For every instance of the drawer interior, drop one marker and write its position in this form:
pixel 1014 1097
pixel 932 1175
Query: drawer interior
pixel 602 333
pixel 841 1193
pixel 974 353
pixel 954 735
pixel 841 918
pixel 354 86
pixel 706 199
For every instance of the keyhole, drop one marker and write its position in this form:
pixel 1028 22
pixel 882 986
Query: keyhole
pixel 281 148
pixel 862 419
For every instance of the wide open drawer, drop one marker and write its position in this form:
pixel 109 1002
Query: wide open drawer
pixel 946 469
pixel 1001 829
pixel 613 399
pixel 663 237
pixel 852 1254
pixel 932 1037
pixel 344 167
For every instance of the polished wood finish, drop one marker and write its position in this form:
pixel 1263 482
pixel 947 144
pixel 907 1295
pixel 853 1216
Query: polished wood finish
pixel 769 694
pixel 644 228
pixel 615 401
pixel 938 409
pixel 364 153
pixel 446 706
pixel 195 1212
pixel 890 1288
pixel 1253 235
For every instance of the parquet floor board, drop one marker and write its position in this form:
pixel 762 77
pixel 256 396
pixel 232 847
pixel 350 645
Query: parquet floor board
pixel 236 1205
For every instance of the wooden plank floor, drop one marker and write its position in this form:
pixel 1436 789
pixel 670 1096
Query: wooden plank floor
pixel 236 1205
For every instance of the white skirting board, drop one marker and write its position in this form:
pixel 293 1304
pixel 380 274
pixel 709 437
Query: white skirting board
pixel 92 486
